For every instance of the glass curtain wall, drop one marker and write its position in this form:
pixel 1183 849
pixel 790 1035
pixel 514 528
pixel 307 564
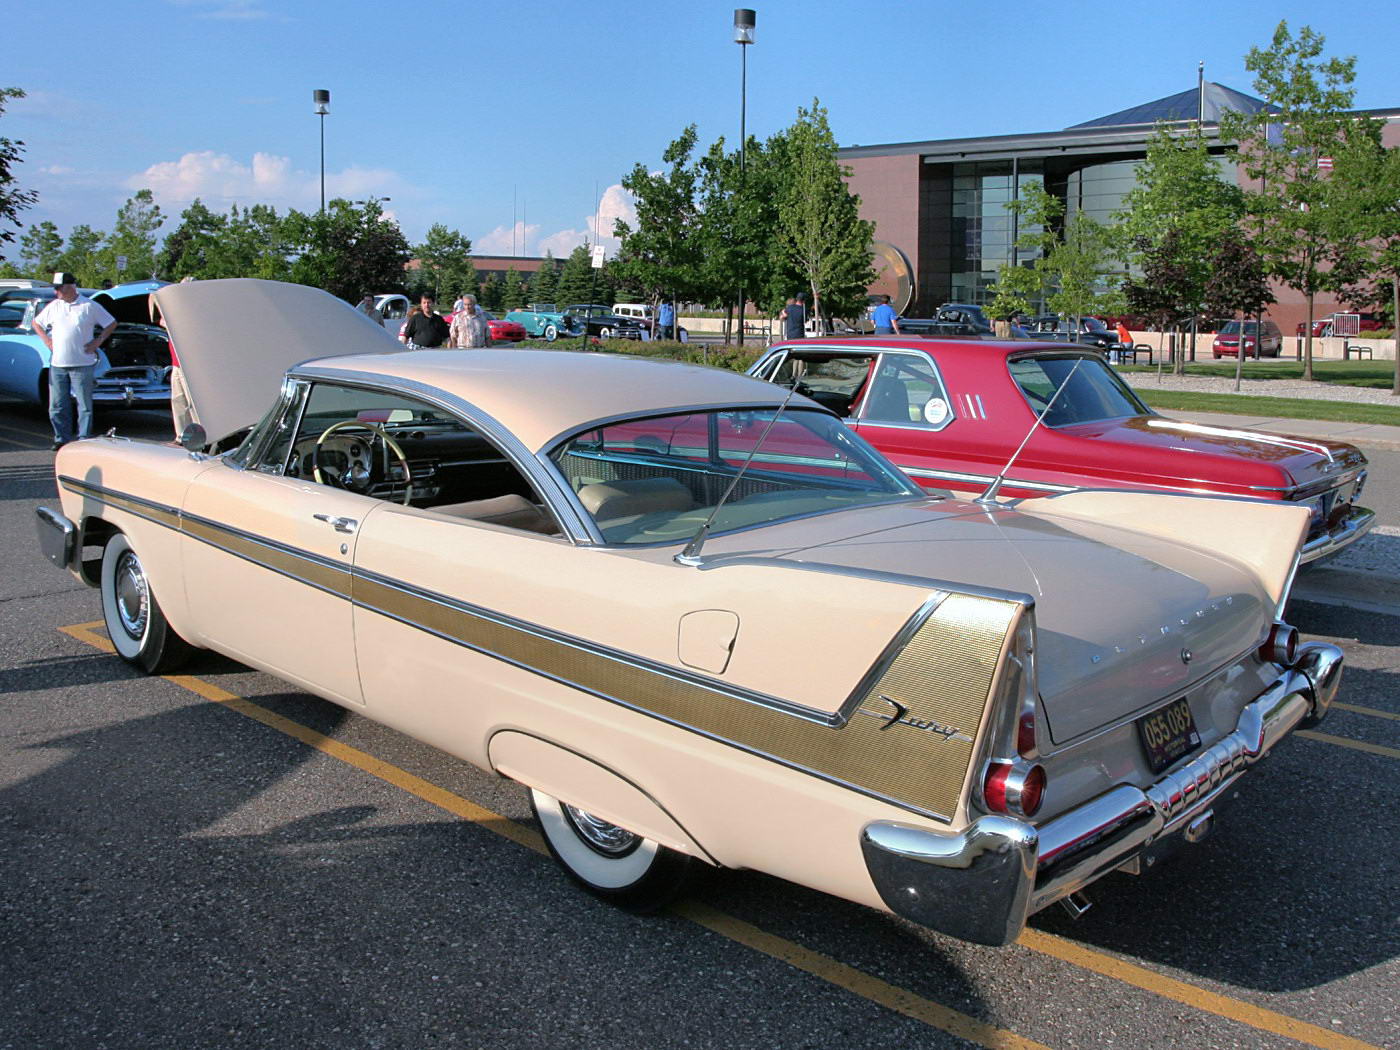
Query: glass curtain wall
pixel 984 227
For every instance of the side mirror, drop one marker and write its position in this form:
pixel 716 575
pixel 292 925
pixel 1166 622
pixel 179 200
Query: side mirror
pixel 193 438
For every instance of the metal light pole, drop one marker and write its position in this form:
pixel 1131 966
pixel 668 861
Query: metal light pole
pixel 743 36
pixel 322 99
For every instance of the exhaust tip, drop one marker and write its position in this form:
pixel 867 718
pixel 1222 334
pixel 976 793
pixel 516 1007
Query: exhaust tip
pixel 1076 904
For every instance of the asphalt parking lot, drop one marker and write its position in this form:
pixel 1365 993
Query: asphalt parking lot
pixel 216 859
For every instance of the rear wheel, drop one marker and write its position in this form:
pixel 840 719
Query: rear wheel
pixel 610 862
pixel 135 623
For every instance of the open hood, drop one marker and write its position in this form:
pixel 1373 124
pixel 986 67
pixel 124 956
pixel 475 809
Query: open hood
pixel 236 338
pixel 129 303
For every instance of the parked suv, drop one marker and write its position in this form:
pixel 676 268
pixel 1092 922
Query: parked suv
pixel 1258 342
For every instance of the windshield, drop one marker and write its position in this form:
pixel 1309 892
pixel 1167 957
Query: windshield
pixel 1095 393
pixel 1234 327
pixel 656 480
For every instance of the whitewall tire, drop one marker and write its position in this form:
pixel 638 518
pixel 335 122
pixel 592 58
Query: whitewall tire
pixel 610 862
pixel 135 623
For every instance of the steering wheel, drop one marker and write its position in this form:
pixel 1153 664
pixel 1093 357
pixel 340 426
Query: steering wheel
pixel 378 432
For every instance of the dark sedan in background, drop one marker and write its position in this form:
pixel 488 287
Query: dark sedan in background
pixel 605 324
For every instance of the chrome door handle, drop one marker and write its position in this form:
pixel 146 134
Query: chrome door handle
pixel 337 523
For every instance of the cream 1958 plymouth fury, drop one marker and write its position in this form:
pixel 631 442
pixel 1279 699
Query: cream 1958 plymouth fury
pixel 696 616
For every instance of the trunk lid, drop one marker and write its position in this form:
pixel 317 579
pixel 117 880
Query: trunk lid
pixel 1115 609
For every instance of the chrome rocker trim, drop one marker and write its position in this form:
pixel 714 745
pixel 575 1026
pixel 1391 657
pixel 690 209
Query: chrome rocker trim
pixel 982 884
pixel 1358 522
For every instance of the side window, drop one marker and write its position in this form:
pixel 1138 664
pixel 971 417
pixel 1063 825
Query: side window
pixel 387 446
pixel 835 382
pixel 906 390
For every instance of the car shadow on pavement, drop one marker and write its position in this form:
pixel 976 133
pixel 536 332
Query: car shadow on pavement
pixel 1294 888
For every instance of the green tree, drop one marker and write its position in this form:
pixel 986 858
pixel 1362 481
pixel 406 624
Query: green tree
pixel 1166 291
pixel 1073 260
pixel 348 250
pixel 445 257
pixel 576 280
pixel 1016 291
pixel 82 257
pixel 253 243
pixel 188 246
pixel 490 297
pixel 1237 285
pixel 545 284
pixel 41 250
pixel 133 236
pixel 13 200
pixel 662 256
pixel 513 291
pixel 1368 175
pixel 1297 218
pixel 819 220
pixel 1180 198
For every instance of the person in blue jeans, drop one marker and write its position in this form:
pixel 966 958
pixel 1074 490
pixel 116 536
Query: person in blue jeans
pixel 73 327
pixel 885 319
pixel 666 321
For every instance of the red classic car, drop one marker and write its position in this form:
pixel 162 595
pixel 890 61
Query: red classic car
pixel 953 413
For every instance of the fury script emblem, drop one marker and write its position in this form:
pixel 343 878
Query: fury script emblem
pixel 900 717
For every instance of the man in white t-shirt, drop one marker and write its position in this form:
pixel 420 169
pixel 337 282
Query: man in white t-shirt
pixel 72 327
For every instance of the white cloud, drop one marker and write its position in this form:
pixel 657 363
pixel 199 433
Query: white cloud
pixel 228 10
pixel 502 240
pixel 220 180
pixel 57 169
pixel 616 203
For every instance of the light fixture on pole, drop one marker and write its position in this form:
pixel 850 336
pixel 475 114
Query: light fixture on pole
pixel 744 20
pixel 322 99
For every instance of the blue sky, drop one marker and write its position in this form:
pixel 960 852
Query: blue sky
pixel 456 111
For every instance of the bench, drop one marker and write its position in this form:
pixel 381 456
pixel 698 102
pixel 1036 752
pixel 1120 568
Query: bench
pixel 1140 348
pixel 1358 349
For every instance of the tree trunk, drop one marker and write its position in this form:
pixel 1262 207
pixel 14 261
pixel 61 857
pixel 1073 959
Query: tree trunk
pixel 1307 341
pixel 1395 331
pixel 1239 357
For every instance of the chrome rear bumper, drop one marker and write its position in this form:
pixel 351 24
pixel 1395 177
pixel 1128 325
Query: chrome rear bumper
pixel 981 884
pixel 1358 522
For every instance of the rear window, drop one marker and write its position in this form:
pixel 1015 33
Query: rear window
pixel 1093 393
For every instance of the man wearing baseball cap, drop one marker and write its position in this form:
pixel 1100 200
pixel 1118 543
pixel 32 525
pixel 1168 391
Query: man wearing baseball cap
pixel 72 326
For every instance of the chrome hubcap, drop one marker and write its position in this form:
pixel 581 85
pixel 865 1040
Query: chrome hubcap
pixel 608 839
pixel 132 594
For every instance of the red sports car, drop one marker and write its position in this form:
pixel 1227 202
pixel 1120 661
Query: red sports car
pixel 952 414
pixel 501 331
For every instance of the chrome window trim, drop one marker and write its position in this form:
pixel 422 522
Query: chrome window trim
pixel 548 483
pixel 928 358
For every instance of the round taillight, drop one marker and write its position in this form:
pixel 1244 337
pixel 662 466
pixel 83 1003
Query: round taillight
pixel 1281 645
pixel 1033 791
pixel 1014 788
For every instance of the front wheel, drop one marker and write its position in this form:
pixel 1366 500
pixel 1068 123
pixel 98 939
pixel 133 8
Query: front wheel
pixel 135 623
pixel 612 863
pixel 605 333
pixel 551 333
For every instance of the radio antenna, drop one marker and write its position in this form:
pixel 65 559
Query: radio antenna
pixel 990 495
pixel 691 554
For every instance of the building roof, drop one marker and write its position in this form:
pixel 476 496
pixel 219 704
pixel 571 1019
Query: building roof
pixel 1185 105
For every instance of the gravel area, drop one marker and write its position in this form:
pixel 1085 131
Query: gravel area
pixel 1377 554
pixel 1298 388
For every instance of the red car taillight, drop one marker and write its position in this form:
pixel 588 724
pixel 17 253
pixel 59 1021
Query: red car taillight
pixel 1014 788
pixel 1281 645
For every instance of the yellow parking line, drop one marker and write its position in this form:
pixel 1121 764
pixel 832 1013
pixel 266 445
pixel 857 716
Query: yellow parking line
pixel 864 985
pixel 818 965
pixel 1356 745
pixel 1337 705
pixel 1189 994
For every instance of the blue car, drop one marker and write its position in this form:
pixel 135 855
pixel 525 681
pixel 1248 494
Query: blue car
pixel 133 366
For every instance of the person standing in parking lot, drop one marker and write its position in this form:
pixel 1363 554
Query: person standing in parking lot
pixel 426 329
pixel 794 317
pixel 885 319
pixel 73 327
pixel 469 328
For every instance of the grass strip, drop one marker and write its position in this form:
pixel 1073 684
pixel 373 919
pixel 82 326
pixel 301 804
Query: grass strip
pixel 1376 374
pixel 1282 407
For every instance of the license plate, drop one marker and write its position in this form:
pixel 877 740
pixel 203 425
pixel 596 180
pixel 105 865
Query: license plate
pixel 1168 733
